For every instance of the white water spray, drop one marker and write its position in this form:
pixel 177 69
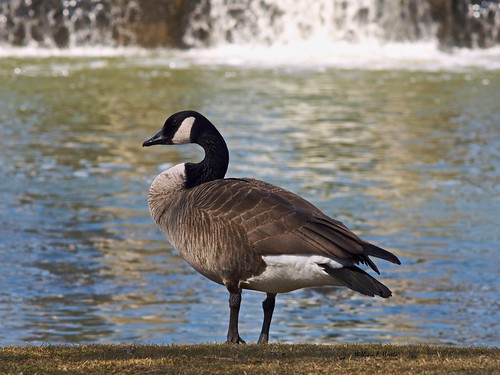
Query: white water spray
pixel 277 22
pixel 347 34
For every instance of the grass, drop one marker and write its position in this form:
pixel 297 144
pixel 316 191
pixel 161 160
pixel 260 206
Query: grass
pixel 248 359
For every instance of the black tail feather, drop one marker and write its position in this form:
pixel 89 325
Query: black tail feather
pixel 378 252
pixel 366 260
pixel 358 280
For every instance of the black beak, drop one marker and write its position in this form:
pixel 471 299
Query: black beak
pixel 157 139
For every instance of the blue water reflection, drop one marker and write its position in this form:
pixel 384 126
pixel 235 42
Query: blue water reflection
pixel 409 160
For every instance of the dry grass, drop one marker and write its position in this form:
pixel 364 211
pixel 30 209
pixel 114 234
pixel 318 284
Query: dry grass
pixel 248 359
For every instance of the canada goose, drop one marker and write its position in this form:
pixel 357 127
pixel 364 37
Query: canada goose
pixel 248 234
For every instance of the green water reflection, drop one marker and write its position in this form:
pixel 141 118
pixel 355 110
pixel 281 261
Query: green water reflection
pixel 410 160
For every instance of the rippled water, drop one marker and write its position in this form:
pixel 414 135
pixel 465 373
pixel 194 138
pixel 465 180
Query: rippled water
pixel 410 160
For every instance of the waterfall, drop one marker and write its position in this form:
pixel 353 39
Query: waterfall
pixel 196 23
pixel 269 22
pixel 52 23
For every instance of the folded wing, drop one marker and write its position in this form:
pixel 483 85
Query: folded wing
pixel 277 222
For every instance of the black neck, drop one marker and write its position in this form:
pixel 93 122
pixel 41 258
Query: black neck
pixel 214 165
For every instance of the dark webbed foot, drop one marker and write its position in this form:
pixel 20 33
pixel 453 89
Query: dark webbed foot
pixel 235 340
pixel 263 339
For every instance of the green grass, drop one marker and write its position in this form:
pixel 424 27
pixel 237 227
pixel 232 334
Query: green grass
pixel 248 359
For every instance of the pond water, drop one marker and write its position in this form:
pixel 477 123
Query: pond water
pixel 408 159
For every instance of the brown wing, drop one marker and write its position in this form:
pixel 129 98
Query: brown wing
pixel 277 221
pixel 319 227
pixel 368 248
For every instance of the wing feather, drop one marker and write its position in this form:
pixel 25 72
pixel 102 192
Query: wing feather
pixel 277 221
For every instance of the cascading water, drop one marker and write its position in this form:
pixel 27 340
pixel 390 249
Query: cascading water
pixel 363 34
pixel 217 22
pixel 50 23
pixel 383 34
pixel 195 23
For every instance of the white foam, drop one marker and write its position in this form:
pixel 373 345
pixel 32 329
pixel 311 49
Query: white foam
pixel 304 34
pixel 368 55
pixel 356 34
pixel 35 51
pixel 311 54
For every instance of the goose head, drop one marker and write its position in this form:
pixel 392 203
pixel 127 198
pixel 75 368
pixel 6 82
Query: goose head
pixel 192 127
pixel 181 128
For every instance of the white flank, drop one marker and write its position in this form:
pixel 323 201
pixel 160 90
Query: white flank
pixel 183 134
pixel 285 273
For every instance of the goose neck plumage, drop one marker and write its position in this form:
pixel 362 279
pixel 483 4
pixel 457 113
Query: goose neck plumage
pixel 214 165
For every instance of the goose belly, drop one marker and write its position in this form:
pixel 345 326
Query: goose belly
pixel 285 273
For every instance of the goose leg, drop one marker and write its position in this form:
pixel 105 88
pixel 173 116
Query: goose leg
pixel 233 336
pixel 268 307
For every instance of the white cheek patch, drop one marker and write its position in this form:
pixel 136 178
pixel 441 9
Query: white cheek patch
pixel 183 134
